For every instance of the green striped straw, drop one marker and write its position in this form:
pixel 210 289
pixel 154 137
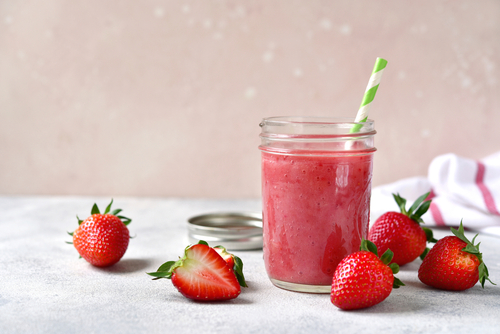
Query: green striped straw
pixel 371 90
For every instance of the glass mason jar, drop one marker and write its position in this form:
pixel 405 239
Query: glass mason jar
pixel 316 186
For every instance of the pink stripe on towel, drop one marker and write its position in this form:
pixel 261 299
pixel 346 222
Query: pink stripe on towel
pixel 488 198
pixel 436 214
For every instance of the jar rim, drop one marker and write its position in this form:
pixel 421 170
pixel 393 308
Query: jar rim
pixel 311 120
pixel 307 126
pixel 316 135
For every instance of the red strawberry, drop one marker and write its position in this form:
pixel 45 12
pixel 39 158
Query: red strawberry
pixel 362 279
pixel 228 257
pixel 401 231
pixel 233 262
pixel 102 239
pixel 454 263
pixel 202 274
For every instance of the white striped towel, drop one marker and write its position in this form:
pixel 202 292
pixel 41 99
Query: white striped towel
pixel 461 189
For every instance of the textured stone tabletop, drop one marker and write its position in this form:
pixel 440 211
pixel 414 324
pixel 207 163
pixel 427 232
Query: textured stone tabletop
pixel 46 288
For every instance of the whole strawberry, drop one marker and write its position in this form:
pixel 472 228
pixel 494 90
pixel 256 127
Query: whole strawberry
pixel 102 239
pixel 362 279
pixel 401 231
pixel 203 274
pixel 454 263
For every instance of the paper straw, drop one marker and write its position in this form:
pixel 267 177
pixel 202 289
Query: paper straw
pixel 371 90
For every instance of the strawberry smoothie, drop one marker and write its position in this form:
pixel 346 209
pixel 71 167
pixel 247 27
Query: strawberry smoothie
pixel 316 207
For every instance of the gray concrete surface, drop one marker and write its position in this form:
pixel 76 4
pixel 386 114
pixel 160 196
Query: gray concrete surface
pixel 46 288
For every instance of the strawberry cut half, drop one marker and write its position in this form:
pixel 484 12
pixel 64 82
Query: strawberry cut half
pixel 233 262
pixel 201 274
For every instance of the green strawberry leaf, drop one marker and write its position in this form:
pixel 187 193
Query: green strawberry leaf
pixel 420 211
pixel 394 267
pixel 386 258
pixel 429 235
pixel 483 274
pixel 397 283
pixel 417 203
pixel 125 220
pixel 164 271
pixel 238 271
pixel 116 212
pixel 203 242
pixel 108 208
pixel 166 266
pixel 460 233
pixel 367 245
pixel 94 210
pixel 473 249
pixel 161 274
pixel 417 210
pixel 401 203
pixel 424 253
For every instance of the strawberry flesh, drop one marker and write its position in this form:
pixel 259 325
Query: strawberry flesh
pixel 228 257
pixel 233 262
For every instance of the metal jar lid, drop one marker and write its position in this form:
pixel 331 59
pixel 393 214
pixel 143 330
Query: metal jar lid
pixel 233 230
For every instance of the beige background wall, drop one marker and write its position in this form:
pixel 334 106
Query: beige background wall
pixel 164 98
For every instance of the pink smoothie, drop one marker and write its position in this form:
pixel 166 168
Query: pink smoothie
pixel 315 211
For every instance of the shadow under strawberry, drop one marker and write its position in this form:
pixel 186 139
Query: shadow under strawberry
pixel 128 266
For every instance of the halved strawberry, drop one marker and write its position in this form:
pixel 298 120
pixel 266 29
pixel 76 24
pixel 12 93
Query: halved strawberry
pixel 201 274
pixel 233 262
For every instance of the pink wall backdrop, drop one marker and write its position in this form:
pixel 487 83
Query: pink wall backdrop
pixel 164 98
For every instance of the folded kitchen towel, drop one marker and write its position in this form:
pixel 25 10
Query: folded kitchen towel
pixel 461 189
